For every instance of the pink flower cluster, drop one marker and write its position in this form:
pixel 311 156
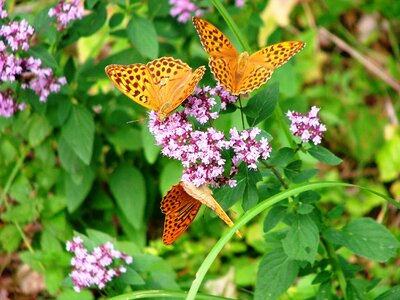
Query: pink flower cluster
pixel 17 34
pixel 184 10
pixel 65 12
pixel 308 126
pixel 8 106
pixel 201 152
pixel 43 81
pixel 96 268
pixel 239 3
pixel 247 148
pixel 15 66
pixel 3 13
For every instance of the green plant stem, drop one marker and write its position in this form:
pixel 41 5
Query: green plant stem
pixel 336 266
pixel 256 210
pixel 152 294
pixel 232 25
pixel 13 174
pixel 241 112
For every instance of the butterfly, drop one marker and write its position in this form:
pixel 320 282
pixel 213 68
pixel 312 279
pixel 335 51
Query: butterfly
pixel 241 73
pixel 181 205
pixel 161 85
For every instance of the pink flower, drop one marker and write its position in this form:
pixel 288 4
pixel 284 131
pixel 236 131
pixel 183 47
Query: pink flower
pixel 239 3
pixel 43 81
pixel 184 9
pixel 3 13
pixel 17 34
pixel 96 268
pixel 65 12
pixel 246 147
pixel 8 106
pixel 308 126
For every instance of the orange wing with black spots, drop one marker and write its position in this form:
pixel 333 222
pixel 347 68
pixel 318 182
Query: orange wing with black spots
pixel 241 73
pixel 180 209
pixel 181 205
pixel 161 85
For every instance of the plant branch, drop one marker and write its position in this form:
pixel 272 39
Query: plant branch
pixel 365 61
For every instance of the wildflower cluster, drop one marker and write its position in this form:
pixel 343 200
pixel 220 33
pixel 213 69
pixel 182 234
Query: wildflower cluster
pixel 201 152
pixel 184 9
pixel 65 12
pixel 96 268
pixel 308 126
pixel 16 65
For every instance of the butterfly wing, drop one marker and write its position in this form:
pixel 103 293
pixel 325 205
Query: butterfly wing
pixel 223 55
pixel 180 209
pixel 204 195
pixel 258 68
pixel 175 81
pixel 135 81
pixel 274 56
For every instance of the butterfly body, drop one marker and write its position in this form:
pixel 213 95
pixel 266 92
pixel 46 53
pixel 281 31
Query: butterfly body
pixel 160 85
pixel 240 72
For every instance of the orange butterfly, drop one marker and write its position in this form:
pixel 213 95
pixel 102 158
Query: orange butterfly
pixel 181 205
pixel 161 85
pixel 241 73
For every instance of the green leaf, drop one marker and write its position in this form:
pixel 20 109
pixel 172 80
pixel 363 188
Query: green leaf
pixel 302 239
pixel 170 175
pixel 76 191
pixel 132 277
pixel 22 213
pixel 275 275
pixel 72 295
pixel 294 172
pixel 129 189
pixel 282 157
pixel 274 216
pixel 142 33
pixel 91 23
pixel 324 155
pixel 391 294
pixel 116 19
pixel 39 129
pixel 10 238
pixel 69 159
pixel 53 279
pixel 126 138
pixel 44 55
pixel 366 238
pixel 151 150
pixel 262 105
pixel 250 193
pixel 79 133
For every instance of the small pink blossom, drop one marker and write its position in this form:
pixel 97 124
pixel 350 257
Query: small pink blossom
pixel 3 13
pixel 17 34
pixel 247 149
pixel 8 106
pixel 308 126
pixel 66 12
pixel 184 9
pixel 239 3
pixel 96 268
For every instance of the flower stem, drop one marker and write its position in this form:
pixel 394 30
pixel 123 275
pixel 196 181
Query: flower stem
pixel 12 176
pixel 336 266
pixel 231 24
